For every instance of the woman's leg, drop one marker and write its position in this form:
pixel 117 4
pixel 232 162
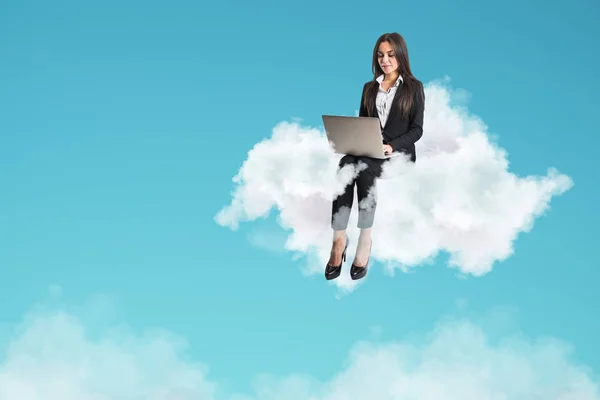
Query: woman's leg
pixel 366 190
pixel 340 215
pixel 342 204
pixel 366 187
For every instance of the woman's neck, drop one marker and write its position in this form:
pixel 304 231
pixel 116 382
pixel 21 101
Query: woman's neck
pixel 391 77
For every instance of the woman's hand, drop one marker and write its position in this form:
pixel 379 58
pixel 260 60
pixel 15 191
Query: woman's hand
pixel 387 149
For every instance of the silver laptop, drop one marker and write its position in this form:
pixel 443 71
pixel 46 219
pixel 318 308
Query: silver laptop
pixel 358 136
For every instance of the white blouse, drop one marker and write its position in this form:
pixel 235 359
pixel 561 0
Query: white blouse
pixel 384 99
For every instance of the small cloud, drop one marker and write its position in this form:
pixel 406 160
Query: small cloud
pixel 461 304
pixel 457 360
pixel 268 239
pixel 375 332
pixel 55 290
pixel 52 356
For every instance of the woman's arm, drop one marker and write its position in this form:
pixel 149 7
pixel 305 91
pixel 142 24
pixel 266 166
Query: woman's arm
pixel 415 129
pixel 362 111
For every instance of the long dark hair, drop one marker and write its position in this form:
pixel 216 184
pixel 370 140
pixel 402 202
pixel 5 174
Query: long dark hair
pixel 410 84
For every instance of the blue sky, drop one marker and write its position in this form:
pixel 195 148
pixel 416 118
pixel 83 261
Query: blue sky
pixel 123 125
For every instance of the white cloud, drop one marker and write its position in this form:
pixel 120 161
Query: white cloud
pixel 455 361
pixel 53 357
pixel 458 198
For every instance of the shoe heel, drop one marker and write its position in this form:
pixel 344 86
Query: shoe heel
pixel 345 250
pixel 360 272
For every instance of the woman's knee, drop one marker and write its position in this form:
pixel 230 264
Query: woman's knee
pixel 346 160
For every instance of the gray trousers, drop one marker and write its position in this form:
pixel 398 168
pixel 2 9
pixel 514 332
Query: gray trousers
pixel 366 188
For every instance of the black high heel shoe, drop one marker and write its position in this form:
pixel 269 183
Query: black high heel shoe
pixel 333 271
pixel 357 272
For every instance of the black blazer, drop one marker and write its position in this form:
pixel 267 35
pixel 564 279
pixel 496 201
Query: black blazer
pixel 398 132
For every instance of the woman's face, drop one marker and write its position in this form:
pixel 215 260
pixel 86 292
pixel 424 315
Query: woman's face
pixel 387 58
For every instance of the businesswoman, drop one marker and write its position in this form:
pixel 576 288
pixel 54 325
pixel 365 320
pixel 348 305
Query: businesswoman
pixel 397 98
